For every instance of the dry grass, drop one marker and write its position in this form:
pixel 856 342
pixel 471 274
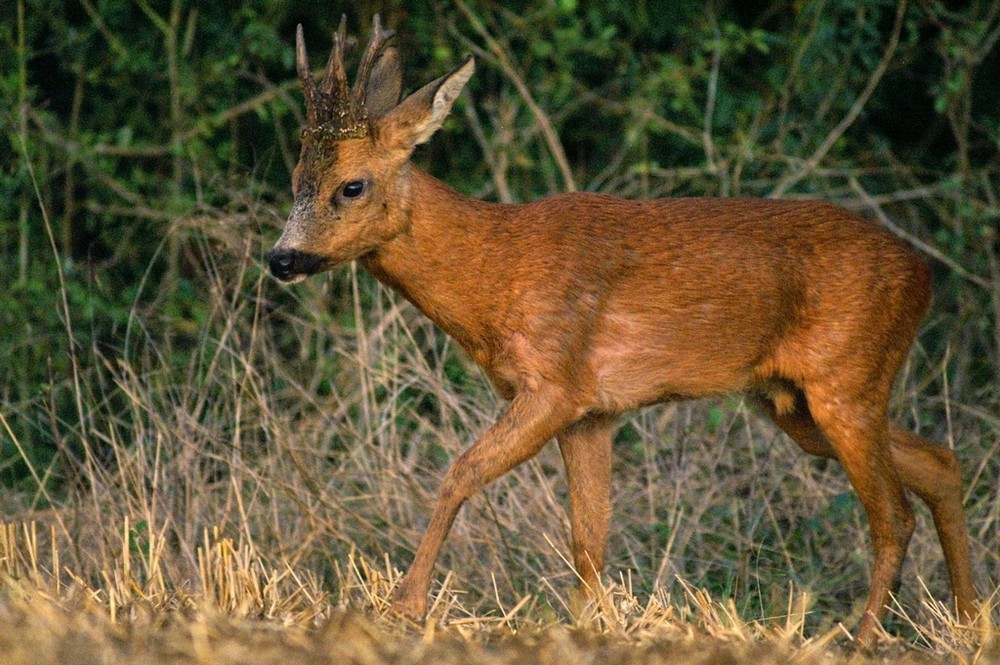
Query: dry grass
pixel 243 489
pixel 248 611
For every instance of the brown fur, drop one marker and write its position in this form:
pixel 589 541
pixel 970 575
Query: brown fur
pixel 580 307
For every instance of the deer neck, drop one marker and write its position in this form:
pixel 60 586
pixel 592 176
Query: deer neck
pixel 443 260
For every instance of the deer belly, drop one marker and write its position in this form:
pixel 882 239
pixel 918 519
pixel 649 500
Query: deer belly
pixel 637 361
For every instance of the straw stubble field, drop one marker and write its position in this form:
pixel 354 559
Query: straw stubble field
pixel 244 612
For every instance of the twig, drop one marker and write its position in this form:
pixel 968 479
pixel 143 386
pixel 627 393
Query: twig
pixel 496 160
pixel 713 85
pixel 650 116
pixel 936 253
pixel 912 194
pixel 991 39
pixel 993 261
pixel 793 71
pixel 791 179
pixel 551 138
pixel 102 27
pixel 23 229
pixel 141 211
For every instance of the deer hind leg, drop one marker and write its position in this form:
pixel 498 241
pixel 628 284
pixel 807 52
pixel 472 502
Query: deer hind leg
pixel 930 471
pixel 586 452
pixel 851 426
pixel 530 421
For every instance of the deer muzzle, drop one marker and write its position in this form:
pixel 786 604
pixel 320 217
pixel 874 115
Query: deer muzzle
pixel 291 265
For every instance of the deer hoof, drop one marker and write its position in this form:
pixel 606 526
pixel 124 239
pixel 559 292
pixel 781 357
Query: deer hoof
pixel 409 606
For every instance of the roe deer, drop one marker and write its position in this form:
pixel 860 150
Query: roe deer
pixel 580 307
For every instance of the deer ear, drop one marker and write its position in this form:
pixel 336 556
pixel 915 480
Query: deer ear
pixel 385 84
pixel 416 119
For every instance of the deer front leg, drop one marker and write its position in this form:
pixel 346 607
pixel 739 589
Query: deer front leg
pixel 586 451
pixel 530 421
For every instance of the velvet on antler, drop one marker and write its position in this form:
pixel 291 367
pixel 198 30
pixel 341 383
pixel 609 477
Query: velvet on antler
pixel 336 112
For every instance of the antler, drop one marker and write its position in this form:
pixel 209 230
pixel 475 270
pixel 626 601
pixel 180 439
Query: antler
pixel 332 110
pixel 335 73
pixel 305 76
pixel 374 49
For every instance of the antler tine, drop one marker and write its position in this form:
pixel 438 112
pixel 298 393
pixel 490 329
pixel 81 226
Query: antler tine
pixel 333 111
pixel 335 74
pixel 375 45
pixel 305 76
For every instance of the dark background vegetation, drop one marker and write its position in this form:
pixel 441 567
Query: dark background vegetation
pixel 145 172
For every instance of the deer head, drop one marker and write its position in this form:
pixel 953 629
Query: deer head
pixel 351 184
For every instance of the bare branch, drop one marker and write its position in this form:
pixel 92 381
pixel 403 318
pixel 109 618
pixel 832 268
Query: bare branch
pixel 791 179
pixel 713 85
pixel 551 138
pixel 912 239
pixel 496 159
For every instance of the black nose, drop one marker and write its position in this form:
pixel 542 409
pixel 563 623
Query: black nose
pixel 287 264
pixel 282 263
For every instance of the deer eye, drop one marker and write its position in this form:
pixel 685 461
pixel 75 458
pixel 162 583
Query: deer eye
pixel 354 188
